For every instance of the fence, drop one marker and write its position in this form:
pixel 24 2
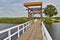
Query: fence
pixel 46 35
pixel 14 32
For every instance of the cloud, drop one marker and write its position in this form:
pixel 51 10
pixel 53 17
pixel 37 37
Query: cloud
pixel 12 10
pixel 34 1
pixel 5 1
pixel 15 8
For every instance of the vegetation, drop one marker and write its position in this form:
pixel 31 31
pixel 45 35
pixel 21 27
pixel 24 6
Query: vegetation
pixel 48 20
pixel 36 17
pixel 50 11
pixel 57 19
pixel 14 20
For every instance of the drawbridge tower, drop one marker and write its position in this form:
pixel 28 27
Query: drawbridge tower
pixel 33 11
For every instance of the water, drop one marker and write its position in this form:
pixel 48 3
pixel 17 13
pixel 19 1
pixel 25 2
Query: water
pixel 5 34
pixel 54 30
pixel 5 26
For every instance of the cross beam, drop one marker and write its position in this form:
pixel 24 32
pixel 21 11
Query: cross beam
pixel 35 9
pixel 33 4
pixel 36 12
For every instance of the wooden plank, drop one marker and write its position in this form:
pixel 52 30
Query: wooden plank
pixel 33 33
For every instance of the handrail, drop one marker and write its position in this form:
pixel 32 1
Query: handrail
pixel 25 26
pixel 46 35
pixel 12 27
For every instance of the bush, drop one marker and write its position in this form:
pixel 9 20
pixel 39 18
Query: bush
pixel 57 17
pixel 36 17
pixel 48 20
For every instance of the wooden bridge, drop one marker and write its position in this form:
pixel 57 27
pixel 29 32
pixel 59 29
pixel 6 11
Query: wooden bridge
pixel 33 33
pixel 28 30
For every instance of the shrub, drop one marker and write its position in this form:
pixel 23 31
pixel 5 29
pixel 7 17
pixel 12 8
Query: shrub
pixel 48 20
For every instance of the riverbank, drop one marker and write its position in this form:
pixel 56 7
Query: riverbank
pixel 14 20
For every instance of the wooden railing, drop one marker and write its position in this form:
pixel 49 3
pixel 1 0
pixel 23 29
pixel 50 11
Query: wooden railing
pixel 46 35
pixel 14 32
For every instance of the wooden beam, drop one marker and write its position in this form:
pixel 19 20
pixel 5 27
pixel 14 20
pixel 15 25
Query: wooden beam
pixel 35 9
pixel 33 4
pixel 36 12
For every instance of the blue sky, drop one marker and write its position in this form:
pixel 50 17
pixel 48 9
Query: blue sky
pixel 15 8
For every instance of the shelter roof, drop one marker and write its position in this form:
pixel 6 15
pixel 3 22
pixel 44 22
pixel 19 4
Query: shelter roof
pixel 33 4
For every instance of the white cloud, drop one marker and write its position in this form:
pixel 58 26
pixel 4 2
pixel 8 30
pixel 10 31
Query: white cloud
pixel 5 1
pixel 17 9
pixel 13 10
pixel 34 1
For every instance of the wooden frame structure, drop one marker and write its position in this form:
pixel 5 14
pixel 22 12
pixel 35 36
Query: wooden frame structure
pixel 32 11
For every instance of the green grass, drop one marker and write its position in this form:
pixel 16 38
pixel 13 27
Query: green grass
pixel 14 20
pixel 48 20
pixel 57 19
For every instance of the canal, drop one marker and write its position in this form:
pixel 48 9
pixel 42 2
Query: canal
pixel 54 30
pixel 4 26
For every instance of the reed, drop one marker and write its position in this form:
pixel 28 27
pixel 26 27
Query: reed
pixel 14 20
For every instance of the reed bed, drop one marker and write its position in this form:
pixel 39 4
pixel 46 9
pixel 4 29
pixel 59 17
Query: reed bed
pixel 14 20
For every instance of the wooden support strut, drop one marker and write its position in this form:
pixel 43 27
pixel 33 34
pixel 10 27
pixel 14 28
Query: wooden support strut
pixel 41 14
pixel 29 14
pixel 34 10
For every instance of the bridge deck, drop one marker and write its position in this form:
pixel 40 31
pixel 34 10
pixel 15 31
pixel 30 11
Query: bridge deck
pixel 33 33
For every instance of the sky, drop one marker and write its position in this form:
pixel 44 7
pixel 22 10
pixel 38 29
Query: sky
pixel 15 8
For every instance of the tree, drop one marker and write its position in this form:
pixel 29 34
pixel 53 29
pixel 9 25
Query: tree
pixel 50 11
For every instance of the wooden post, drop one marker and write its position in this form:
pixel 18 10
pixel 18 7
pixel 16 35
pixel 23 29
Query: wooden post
pixel 41 14
pixel 28 13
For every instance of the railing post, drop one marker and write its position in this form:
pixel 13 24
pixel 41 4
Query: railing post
pixel 26 26
pixel 23 28
pixel 18 31
pixel 9 33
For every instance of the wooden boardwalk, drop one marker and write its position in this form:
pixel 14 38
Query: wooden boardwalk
pixel 33 33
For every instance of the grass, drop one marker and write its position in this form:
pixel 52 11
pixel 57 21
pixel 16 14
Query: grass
pixel 51 20
pixel 14 20
pixel 48 20
pixel 57 19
